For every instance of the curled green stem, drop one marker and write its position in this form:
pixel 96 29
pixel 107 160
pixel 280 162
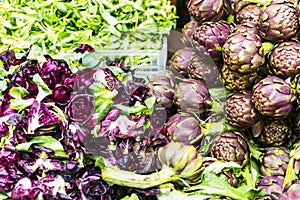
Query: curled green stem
pixel 131 179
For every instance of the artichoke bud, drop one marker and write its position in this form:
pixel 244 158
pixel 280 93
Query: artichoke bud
pixel 272 96
pixel 183 159
pixel 279 21
pixel 192 95
pixel 235 81
pixel 240 111
pixel 231 146
pixel 272 185
pixel 184 128
pixel 274 132
pixel 274 161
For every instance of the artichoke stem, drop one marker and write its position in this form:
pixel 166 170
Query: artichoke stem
pixel 131 179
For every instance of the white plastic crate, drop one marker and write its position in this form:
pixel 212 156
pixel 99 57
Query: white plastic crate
pixel 157 59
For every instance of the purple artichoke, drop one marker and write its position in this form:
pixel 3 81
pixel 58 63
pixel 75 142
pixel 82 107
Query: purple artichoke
pixel 246 12
pixel 285 59
pixel 209 10
pixel 183 127
pixel 189 28
pixel 243 52
pixel 240 111
pixel 231 146
pixel 204 70
pixel 274 161
pixel 162 87
pixel 181 60
pixel 272 185
pixel 291 192
pixel 212 36
pixel 235 81
pixel 192 95
pixel 273 97
pixel 246 27
pixel 273 132
pixel 279 21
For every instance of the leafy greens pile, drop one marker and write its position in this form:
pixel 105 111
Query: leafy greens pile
pixel 59 27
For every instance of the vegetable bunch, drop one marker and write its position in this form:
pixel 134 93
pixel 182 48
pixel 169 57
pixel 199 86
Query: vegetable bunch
pixel 58 27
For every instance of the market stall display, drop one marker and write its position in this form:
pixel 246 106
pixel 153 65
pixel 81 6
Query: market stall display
pixel 221 122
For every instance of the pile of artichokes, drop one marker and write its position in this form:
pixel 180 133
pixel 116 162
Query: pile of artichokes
pixel 254 45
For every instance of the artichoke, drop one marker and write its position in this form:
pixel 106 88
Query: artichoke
pixel 240 111
pixel 189 28
pixel 235 81
pixel 285 59
pixel 183 160
pixel 272 185
pixel 184 128
pixel 246 12
pixel 192 95
pixel 274 161
pixel 181 59
pixel 291 192
pixel 162 87
pixel 230 146
pixel 273 97
pixel 212 36
pixel 243 52
pixel 279 21
pixel 204 70
pixel 179 162
pixel 274 132
pixel 246 27
pixel 209 10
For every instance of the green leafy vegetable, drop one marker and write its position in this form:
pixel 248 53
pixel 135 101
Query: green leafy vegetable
pixel 218 186
pixel 42 87
pixel 45 141
pixel 59 27
pixel 18 92
pixel 20 104
pixel 103 99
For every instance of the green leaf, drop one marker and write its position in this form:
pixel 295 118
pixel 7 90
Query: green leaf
pixel 103 99
pixel 103 109
pixel 132 197
pixel 150 102
pixel 18 92
pixel 3 85
pixel 168 194
pixel 3 196
pixel 91 60
pixel 218 185
pixel 45 141
pixel 218 166
pixel 42 87
pixel 20 104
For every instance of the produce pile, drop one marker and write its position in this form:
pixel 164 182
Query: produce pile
pixel 221 123
pixel 57 27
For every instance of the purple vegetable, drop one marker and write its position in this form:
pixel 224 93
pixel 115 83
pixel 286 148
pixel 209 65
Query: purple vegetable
pixel 82 48
pixel 81 108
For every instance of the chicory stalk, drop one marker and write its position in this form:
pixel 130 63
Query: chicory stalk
pixel 180 163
